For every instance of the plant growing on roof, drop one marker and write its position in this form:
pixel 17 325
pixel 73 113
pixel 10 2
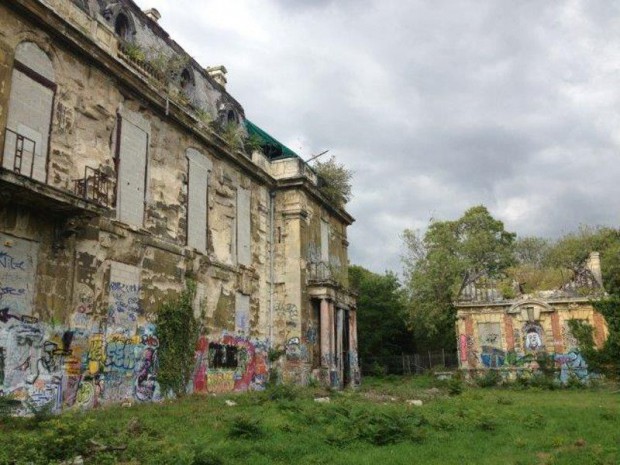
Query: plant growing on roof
pixel 334 181
pixel 133 51
pixel 231 133
pixel 252 143
pixel 204 116
pixel 168 66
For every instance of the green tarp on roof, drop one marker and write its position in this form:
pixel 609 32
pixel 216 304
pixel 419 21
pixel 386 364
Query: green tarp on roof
pixel 254 130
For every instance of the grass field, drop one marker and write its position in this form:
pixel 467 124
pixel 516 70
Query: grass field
pixel 374 425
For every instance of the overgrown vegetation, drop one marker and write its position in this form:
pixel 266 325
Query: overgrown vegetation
pixel 334 181
pixel 606 359
pixel 177 330
pixel 439 265
pixel 373 425
pixel 381 314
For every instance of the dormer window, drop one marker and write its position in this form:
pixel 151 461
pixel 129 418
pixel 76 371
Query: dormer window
pixel 186 80
pixel 121 27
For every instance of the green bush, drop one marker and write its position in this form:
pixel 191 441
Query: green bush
pixel 282 392
pixel 382 428
pixel 455 386
pixel 246 427
pixel 491 378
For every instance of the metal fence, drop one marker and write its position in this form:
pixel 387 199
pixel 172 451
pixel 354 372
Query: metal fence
pixel 410 364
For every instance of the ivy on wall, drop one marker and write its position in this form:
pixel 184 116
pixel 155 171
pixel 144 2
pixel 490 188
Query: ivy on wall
pixel 610 309
pixel 607 359
pixel 178 330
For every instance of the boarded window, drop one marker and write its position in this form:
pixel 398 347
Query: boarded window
pixel 243 227
pixel 242 313
pixel 490 334
pixel 324 241
pixel 124 297
pixel 199 167
pixel 18 265
pixel 30 113
pixel 132 173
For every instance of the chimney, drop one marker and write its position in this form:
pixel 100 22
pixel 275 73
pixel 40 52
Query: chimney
pixel 594 265
pixel 153 14
pixel 218 73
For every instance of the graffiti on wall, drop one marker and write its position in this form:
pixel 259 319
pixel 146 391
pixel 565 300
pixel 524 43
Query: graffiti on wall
pixel 18 263
pixel 111 360
pixel 533 337
pixel 230 363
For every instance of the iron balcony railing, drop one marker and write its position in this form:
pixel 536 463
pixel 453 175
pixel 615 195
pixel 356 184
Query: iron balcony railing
pixel 320 271
pixel 95 186
pixel 18 154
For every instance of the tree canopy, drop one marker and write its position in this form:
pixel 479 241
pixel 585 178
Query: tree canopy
pixel 440 264
pixel 380 314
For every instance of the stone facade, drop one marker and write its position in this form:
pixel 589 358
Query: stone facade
pixel 116 186
pixel 512 335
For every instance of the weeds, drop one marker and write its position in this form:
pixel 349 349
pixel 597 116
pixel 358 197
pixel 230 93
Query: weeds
pixel 245 427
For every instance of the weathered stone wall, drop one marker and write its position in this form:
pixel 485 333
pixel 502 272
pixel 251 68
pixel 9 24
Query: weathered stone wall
pixel 76 323
pixel 79 291
pixel 514 336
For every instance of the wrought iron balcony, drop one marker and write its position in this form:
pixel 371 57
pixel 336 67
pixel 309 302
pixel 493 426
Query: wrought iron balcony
pixel 19 154
pixel 23 173
pixel 95 186
pixel 320 272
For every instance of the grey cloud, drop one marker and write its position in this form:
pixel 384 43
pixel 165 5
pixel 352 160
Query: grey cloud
pixel 436 106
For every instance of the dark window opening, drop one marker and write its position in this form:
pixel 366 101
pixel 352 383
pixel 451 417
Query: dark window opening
pixel 223 356
pixel 186 79
pixel 121 27
pixel 231 117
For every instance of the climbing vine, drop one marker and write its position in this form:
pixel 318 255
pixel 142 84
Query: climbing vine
pixel 178 330
pixel 583 332
pixel 610 309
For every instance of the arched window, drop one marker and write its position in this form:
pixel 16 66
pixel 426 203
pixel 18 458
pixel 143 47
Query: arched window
pixel 121 27
pixel 186 79
pixel 30 112
pixel 231 117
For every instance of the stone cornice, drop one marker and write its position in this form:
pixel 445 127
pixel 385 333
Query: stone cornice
pixel 133 84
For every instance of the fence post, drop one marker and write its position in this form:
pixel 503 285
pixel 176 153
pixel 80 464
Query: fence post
pixel 443 356
pixel 430 361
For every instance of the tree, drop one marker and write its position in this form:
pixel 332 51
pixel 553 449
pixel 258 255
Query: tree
pixel 532 251
pixel 380 314
pixel 334 181
pixel 438 266
pixel 572 250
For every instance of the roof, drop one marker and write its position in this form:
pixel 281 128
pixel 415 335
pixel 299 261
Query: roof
pixel 278 149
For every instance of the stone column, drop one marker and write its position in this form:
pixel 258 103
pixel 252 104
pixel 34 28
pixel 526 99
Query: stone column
pixel 333 374
pixel 556 331
pixel 509 331
pixel 325 334
pixel 472 355
pixel 353 360
pixel 599 329
pixel 339 345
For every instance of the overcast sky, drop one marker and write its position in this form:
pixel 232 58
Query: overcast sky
pixel 435 105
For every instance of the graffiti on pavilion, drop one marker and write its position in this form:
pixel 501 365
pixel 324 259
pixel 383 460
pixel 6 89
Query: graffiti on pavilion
pixel 512 334
pixel 117 184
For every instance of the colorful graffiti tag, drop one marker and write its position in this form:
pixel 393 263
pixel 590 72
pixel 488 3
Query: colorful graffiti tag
pixel 231 363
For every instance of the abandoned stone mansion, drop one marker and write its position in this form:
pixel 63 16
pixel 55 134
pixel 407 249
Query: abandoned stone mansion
pixel 126 170
pixel 514 333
